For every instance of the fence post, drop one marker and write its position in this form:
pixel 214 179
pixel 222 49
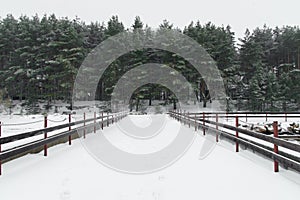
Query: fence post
pixel 0 150
pixel 70 137
pixel 236 133
pixel 226 116
pixel 195 123
pixel 102 120
pixel 84 125
pixel 246 118
pixel 185 118
pixel 107 119
pixel 94 122
pixel 203 123
pixel 189 120
pixel 285 117
pixel 180 116
pixel 266 117
pixel 45 136
pixel 217 127
pixel 275 127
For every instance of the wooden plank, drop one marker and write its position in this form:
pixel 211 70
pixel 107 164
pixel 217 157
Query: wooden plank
pixel 290 137
pixel 255 116
pixel 256 113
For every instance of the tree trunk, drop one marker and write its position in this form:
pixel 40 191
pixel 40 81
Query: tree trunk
pixel 130 105
pixel 204 103
pixel 137 105
pixel 196 93
pixel 174 105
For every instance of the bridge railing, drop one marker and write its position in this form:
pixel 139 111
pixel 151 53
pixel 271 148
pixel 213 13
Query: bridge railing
pixel 85 126
pixel 203 121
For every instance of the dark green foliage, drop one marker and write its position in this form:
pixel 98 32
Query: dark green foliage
pixel 218 42
pixel 268 59
pixel 40 57
pixel 114 27
pixel 138 24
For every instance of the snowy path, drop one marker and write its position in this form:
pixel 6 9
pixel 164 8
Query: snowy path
pixel 69 172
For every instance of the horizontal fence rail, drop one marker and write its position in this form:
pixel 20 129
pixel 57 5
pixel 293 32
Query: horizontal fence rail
pixel 246 113
pixel 200 120
pixel 86 124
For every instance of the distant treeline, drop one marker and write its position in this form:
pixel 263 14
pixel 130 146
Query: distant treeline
pixel 40 57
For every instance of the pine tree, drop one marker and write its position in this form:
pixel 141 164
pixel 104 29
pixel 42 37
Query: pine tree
pixel 114 26
pixel 284 94
pixel 138 24
pixel 272 89
pixel 166 25
pixel 295 86
pixel 94 35
pixel 258 88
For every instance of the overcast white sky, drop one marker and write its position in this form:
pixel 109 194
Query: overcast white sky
pixel 240 14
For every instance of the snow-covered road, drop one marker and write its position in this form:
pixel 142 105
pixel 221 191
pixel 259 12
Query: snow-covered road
pixel 70 172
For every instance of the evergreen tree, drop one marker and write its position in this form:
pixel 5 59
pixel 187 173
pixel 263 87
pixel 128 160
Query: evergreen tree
pixel 285 93
pixel 138 24
pixel 295 86
pixel 39 58
pixel 94 35
pixel 272 90
pixel 258 88
pixel 114 26
pixel 166 25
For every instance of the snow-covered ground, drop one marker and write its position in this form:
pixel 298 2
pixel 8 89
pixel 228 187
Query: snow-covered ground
pixel 70 172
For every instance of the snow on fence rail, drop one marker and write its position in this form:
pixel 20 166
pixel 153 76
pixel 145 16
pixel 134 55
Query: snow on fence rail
pixel 201 120
pixel 20 150
pixel 247 115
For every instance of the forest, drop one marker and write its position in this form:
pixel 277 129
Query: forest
pixel 40 57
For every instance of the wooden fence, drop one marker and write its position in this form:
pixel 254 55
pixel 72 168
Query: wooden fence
pixel 86 126
pixel 203 121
